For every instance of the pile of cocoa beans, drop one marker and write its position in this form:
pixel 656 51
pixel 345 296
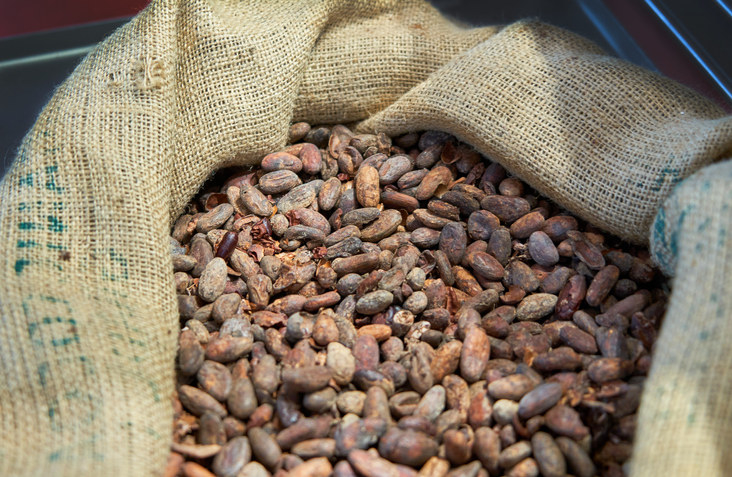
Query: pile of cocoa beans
pixel 359 305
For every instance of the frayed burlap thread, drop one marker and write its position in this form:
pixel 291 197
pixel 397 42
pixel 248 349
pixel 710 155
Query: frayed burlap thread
pixel 89 319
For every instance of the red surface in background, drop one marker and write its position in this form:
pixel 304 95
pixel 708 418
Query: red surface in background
pixel 26 16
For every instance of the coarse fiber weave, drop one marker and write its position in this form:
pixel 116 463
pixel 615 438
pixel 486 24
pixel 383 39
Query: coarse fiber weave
pixel 89 318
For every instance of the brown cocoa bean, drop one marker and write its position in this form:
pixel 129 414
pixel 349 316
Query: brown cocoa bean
pixel 434 467
pixel 255 201
pixel 312 448
pixel 281 160
pixel 548 456
pixel 369 465
pixel 278 181
pixel 439 176
pixel 412 179
pixel 226 349
pixel 507 209
pixel 394 168
pixel 443 209
pixel 306 379
pixel 611 342
pixel 570 297
pixel 536 306
pixel 555 281
pixel 453 241
pixel 384 226
pixel 374 302
pixel 577 459
pixel 601 285
pixel 427 218
pixel 445 360
pixel 215 379
pixel 542 250
pixel 362 263
pixel 557 359
pixel 213 280
pixel 519 274
pixel 632 304
pixel 360 217
pixel 199 402
pixel 215 218
pixel 298 197
pixel 190 353
pixel 397 200
pixel 407 447
pixel 588 253
pixel 578 340
pixel 459 444
pixel 557 227
pixel 513 454
pixel 603 370
pixel 264 447
pixel 311 159
pixel 317 467
pixel 526 225
pixel 366 185
pixel 432 403
pixel 512 387
pixel 304 429
pixel 482 224
pixel 565 421
pixel 325 300
pixel 474 355
pixel 539 400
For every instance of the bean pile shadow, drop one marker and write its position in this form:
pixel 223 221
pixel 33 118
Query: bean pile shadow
pixel 366 306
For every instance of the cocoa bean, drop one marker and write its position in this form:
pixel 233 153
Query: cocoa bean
pixel 306 379
pixel 536 306
pixel 570 297
pixel 474 355
pixel 565 421
pixel 577 459
pixel 281 160
pixel 542 250
pixel 507 209
pixel 539 400
pixel 526 225
pixel 407 447
pixel 366 185
pixel 278 181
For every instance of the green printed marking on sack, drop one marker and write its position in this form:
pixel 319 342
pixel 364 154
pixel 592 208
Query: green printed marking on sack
pixel 20 265
pixel 119 267
pixel 62 328
pixel 59 328
pixel 31 223
pixel 28 226
pixel 55 224
pixel 51 179
pixel 70 452
pixel 668 174
pixel 26 243
pixel 26 180
pixel 24 206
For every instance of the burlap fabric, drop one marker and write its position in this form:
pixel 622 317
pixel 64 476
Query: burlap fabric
pixel 89 321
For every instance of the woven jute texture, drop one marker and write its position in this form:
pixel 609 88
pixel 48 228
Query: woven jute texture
pixel 686 418
pixel 89 319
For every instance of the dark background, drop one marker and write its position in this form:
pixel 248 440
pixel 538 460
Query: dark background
pixel 41 41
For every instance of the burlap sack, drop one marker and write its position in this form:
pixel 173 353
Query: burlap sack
pixel 89 321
